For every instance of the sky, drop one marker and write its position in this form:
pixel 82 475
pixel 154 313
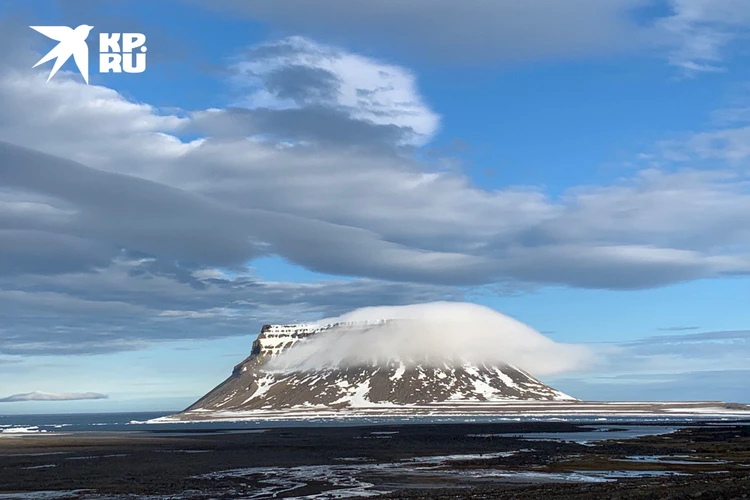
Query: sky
pixel 580 166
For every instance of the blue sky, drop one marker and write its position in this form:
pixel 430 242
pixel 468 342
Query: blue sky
pixel 581 166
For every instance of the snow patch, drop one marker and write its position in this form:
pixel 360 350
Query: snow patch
pixel 399 373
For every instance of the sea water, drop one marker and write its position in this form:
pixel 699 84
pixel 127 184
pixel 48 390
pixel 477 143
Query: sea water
pixel 16 425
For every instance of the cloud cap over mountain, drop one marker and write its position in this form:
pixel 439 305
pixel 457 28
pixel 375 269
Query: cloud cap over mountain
pixel 433 333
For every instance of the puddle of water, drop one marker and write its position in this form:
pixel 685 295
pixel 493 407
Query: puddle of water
pixel 183 451
pixel 98 456
pixel 591 435
pixel 453 458
pixel 34 454
pixel 670 460
pixel 282 481
pixel 625 474
pixel 349 481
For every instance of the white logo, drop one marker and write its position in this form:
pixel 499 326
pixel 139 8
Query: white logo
pixel 114 56
pixel 111 58
pixel 72 43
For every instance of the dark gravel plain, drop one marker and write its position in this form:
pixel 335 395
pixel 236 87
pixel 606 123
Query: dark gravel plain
pixel 713 462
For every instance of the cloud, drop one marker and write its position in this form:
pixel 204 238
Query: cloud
pixel 180 225
pixel 700 32
pixel 678 328
pixel 693 35
pixel 300 76
pixel 432 334
pixel 312 124
pixel 694 346
pixel 52 396
pixel 448 31
pixel 737 112
pixel 667 367
pixel 154 236
pixel 665 354
pixel 728 145
pixel 402 222
pixel 129 305
pixel 39 252
pixel 711 385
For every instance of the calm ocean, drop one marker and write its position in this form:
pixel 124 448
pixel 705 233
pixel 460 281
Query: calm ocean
pixel 136 422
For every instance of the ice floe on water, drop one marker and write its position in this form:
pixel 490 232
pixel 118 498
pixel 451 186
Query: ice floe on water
pixel 22 430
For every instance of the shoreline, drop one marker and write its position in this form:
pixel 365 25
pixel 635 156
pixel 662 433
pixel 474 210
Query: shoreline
pixel 472 409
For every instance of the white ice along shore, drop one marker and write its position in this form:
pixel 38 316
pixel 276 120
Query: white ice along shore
pixel 444 359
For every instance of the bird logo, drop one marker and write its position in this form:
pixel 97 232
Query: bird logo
pixel 72 43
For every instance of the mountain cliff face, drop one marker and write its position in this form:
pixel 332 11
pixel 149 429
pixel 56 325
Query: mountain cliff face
pixel 254 385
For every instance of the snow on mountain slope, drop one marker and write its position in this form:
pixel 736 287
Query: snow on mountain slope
pixel 256 384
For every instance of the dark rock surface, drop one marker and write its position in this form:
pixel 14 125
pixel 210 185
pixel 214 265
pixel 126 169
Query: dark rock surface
pixel 713 462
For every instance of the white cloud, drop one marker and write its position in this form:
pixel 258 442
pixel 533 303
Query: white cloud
pixel 297 72
pixel 52 396
pixel 700 32
pixel 320 183
pixel 433 334
pixel 731 145
pixel 708 385
pixel 340 209
pixel 667 367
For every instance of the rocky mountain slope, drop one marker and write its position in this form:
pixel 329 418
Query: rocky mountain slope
pixel 254 385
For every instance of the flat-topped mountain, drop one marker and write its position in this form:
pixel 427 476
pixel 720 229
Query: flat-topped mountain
pixel 429 363
pixel 258 384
